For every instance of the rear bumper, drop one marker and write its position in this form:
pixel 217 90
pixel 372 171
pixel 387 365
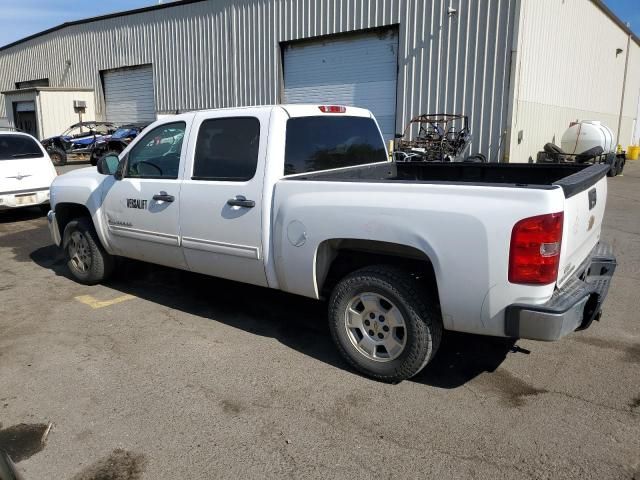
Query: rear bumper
pixel 573 307
pixel 54 230
pixel 24 198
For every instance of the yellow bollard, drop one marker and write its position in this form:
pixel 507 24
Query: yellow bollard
pixel 633 152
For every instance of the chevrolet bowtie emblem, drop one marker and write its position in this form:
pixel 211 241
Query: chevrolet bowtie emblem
pixel 19 177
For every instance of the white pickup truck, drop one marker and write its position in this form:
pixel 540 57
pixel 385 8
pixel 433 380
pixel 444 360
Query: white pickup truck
pixel 302 198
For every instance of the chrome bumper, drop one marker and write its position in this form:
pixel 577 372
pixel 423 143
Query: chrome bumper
pixel 53 228
pixel 573 307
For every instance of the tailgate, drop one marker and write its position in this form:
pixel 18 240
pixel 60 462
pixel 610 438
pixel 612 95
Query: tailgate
pixel 25 174
pixel 585 200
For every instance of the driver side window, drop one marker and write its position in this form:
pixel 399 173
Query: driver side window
pixel 157 155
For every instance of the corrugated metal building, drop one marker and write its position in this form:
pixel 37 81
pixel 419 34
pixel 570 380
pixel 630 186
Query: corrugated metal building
pixel 399 58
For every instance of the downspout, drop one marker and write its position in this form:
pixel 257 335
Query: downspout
pixel 513 88
pixel 624 86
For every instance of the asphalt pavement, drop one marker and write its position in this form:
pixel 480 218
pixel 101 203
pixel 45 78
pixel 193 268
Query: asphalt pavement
pixel 162 374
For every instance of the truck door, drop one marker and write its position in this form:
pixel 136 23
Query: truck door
pixel 141 209
pixel 221 199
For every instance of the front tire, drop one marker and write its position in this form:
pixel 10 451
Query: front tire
pixel 87 260
pixel 384 324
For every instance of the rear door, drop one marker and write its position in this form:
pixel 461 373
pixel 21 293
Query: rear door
pixel 141 209
pixel 583 215
pixel 221 202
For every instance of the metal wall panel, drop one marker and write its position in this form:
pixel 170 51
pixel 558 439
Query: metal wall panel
pixel 221 53
pixel 128 95
pixel 357 70
pixel 568 69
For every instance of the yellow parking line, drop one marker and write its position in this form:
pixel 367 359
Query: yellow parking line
pixel 95 303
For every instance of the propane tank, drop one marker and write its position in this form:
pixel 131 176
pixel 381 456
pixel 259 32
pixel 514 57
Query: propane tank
pixel 585 135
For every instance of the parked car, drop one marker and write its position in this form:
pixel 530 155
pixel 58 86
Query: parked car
pixel 114 144
pixel 303 199
pixel 26 171
pixel 77 142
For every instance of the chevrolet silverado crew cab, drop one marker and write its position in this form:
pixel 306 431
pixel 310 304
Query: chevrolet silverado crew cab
pixel 303 199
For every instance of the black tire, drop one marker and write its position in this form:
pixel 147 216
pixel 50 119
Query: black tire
pixel 423 324
pixel 44 208
pixel 99 264
pixel 621 163
pixel 58 156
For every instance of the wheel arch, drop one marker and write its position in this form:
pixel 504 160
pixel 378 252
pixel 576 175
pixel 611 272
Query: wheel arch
pixel 336 258
pixel 65 212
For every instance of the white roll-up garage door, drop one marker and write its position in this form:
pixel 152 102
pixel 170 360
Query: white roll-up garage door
pixel 128 95
pixel 357 70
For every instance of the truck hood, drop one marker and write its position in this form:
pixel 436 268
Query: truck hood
pixel 80 186
pixel 90 173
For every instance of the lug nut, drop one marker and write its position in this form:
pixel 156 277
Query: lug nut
pixel 381 318
pixel 367 323
pixel 385 328
pixel 372 315
pixel 371 333
pixel 380 336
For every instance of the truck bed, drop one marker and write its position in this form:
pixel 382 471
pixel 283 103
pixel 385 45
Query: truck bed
pixel 572 178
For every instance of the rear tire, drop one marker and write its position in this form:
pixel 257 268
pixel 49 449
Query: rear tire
pixel 86 258
pixel 384 324
pixel 58 156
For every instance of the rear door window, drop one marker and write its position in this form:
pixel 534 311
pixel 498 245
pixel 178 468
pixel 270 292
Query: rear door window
pixel 325 142
pixel 227 149
pixel 18 146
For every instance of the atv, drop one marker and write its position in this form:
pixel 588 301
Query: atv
pixel 77 142
pixel 114 144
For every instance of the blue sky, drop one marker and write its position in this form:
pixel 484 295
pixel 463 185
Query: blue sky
pixel 26 17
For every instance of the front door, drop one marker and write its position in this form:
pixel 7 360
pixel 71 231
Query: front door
pixel 221 200
pixel 141 209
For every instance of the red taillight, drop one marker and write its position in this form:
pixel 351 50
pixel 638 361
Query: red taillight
pixel 332 109
pixel 535 249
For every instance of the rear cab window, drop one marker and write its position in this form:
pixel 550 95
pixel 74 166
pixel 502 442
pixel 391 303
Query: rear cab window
pixel 18 146
pixel 326 142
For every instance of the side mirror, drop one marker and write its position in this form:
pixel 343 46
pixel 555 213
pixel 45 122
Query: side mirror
pixel 108 165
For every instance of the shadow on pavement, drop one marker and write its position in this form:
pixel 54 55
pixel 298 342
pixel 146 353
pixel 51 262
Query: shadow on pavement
pixel 15 215
pixel 297 322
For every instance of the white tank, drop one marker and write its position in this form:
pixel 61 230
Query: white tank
pixel 585 135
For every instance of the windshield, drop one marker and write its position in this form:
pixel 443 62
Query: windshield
pixel 18 146
pixel 325 142
pixel 123 133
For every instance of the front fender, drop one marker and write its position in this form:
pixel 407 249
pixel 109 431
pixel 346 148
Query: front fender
pixel 84 187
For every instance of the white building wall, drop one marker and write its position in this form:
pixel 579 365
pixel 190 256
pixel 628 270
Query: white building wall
pixel 56 112
pixel 567 70
pixel 221 53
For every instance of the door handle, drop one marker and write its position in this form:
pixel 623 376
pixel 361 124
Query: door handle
pixel 164 197
pixel 241 201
